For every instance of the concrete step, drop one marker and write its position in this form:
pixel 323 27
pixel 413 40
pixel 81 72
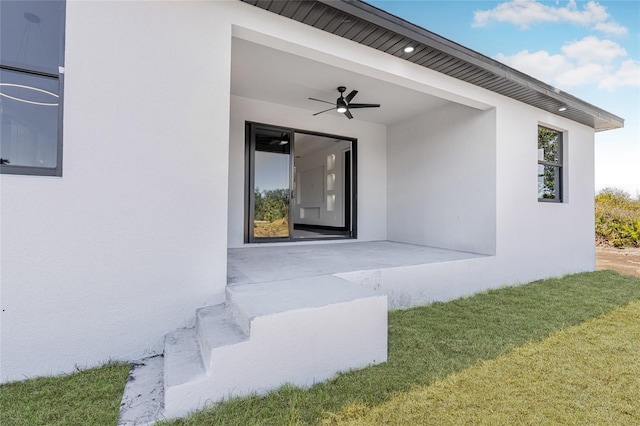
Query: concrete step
pixel 249 301
pixel 299 332
pixel 217 328
pixel 182 359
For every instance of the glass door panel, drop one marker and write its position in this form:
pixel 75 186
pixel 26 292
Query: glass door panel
pixel 271 184
pixel 322 186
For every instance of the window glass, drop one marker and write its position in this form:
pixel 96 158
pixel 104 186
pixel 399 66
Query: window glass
pixel 547 182
pixel 31 34
pixel 548 145
pixel 31 53
pixel 29 119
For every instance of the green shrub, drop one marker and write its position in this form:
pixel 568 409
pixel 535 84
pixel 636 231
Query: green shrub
pixel 271 204
pixel 617 218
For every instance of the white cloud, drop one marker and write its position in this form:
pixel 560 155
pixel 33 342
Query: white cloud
pixel 540 64
pixel 612 28
pixel 581 75
pixel 628 75
pixel 589 61
pixel 524 13
pixel 592 49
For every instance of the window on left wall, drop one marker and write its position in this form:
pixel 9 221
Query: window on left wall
pixel 31 82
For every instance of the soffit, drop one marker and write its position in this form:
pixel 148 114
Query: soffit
pixel 271 75
pixel 370 26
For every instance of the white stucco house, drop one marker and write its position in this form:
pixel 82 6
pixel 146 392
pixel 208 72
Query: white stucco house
pixel 163 168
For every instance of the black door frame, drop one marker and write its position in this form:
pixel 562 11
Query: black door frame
pixel 250 144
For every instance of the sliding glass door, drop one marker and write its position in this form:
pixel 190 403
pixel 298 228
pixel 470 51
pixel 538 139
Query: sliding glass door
pixel 300 185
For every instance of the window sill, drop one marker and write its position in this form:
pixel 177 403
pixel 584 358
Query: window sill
pixel 30 171
pixel 549 200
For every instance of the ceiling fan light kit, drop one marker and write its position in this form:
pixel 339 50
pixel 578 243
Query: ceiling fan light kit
pixel 343 103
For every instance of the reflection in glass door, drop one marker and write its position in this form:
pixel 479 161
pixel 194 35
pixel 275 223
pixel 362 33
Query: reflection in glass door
pixel 322 186
pixel 270 203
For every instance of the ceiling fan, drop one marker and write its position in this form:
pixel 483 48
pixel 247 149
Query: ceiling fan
pixel 272 139
pixel 343 103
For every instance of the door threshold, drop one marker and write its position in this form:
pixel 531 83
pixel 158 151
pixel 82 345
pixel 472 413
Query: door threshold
pixel 300 242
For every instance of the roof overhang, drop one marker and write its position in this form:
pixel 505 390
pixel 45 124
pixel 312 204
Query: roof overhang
pixel 373 27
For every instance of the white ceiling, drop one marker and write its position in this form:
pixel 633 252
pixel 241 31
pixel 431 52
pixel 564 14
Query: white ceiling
pixel 266 74
pixel 308 144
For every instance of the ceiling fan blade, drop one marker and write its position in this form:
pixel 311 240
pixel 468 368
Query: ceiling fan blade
pixel 364 106
pixel 324 111
pixel 283 138
pixel 348 114
pixel 320 100
pixel 351 96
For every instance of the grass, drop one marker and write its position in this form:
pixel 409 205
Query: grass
pixel 586 374
pixel 89 397
pixel 276 228
pixel 425 344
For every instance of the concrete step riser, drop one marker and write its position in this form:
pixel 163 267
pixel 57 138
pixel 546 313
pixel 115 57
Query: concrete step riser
pixel 217 328
pixel 304 347
pixel 203 343
pixel 182 358
pixel 239 314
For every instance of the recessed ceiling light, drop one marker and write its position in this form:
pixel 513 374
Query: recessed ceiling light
pixel 409 49
pixel 562 108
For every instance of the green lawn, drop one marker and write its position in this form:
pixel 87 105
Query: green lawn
pixel 581 375
pixel 90 397
pixel 425 344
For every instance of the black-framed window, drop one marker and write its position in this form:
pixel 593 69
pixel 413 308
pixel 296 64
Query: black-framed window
pixel 31 82
pixel 549 164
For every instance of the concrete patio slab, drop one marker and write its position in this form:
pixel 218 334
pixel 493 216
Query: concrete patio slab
pixel 277 262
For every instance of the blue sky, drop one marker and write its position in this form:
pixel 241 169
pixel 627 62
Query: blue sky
pixel 590 49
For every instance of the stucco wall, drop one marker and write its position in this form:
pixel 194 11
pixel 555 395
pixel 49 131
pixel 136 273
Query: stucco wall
pixel 442 179
pixel 538 239
pixel 102 262
pixel 372 161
